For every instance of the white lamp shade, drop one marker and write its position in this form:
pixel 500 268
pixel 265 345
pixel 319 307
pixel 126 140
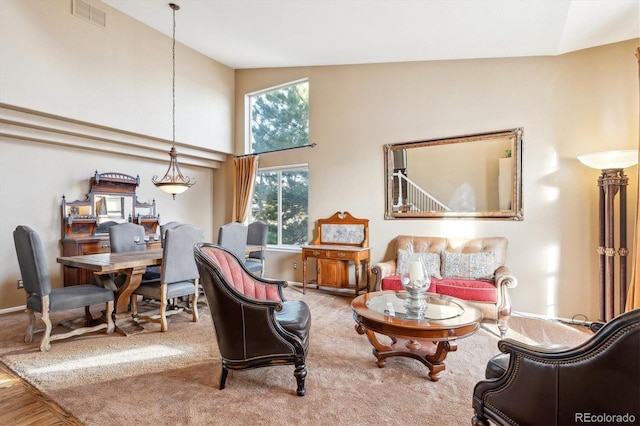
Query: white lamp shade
pixel 619 159
pixel 173 188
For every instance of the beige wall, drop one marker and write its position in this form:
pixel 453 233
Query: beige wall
pixel 118 77
pixel 577 103
pixel 55 63
pixel 99 99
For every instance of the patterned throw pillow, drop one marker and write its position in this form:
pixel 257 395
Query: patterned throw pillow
pixel 476 266
pixel 431 261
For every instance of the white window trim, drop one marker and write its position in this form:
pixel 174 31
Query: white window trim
pixel 288 167
pixel 247 109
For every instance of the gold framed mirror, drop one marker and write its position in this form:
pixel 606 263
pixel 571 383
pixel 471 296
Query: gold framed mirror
pixel 113 207
pixel 473 176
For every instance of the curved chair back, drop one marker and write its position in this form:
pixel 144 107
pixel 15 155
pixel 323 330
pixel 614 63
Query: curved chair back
pixel 234 276
pixel 31 258
pixel 233 237
pixel 178 263
pixel 548 387
pixel 164 228
pixel 257 235
pixel 252 330
pixel 122 237
pixel 241 330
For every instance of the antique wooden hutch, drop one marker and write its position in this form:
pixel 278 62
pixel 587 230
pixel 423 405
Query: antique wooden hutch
pixel 340 240
pixel 85 223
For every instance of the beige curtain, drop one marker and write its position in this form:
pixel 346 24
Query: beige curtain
pixel 633 297
pixel 244 178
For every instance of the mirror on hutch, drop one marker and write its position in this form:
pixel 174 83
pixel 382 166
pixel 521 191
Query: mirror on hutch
pixel 472 176
pixel 85 223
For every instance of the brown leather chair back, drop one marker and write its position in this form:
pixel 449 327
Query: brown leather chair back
pixel 601 376
pixel 255 326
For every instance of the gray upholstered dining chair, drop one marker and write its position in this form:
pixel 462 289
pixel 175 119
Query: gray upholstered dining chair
pixel 167 226
pixel 128 236
pixel 44 299
pixel 233 237
pixel 257 235
pixel 179 277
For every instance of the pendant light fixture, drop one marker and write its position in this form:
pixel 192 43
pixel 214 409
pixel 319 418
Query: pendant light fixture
pixel 173 182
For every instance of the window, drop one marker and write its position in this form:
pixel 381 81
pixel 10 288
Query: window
pixel 279 119
pixel 281 200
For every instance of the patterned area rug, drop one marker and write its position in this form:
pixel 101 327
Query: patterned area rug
pixel 170 378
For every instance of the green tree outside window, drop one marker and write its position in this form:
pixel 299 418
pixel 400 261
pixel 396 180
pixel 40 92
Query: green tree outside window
pixel 280 119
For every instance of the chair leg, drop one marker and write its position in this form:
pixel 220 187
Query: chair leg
pixel 223 377
pixel 163 307
pixel 110 324
pixel 28 335
pixel 478 421
pixel 194 301
pixel 502 326
pixel 300 373
pixel 88 318
pixel 45 343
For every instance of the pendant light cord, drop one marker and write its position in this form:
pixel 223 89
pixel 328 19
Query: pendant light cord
pixel 173 79
pixel 173 182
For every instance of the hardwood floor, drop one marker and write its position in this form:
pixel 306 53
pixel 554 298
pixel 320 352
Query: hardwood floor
pixel 22 404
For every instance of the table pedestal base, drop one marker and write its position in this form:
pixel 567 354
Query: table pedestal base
pixel 122 316
pixel 429 353
pixel 126 325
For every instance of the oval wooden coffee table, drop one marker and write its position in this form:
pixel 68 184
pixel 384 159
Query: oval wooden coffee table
pixel 428 339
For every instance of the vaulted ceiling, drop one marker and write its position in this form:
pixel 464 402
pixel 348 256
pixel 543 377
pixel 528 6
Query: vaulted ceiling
pixel 283 33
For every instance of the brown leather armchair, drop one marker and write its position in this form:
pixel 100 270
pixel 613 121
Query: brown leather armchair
pixel 255 326
pixel 597 382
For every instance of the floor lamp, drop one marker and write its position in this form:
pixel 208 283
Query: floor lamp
pixel 611 182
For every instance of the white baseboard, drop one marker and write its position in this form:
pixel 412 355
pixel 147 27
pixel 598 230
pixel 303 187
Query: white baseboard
pixel 578 319
pixel 13 309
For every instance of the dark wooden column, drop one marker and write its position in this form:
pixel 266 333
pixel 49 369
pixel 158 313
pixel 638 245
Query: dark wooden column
pixel 612 182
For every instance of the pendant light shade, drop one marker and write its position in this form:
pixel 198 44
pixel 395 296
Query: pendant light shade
pixel 173 182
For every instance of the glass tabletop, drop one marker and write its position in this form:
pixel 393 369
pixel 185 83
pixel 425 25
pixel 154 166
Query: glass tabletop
pixel 438 307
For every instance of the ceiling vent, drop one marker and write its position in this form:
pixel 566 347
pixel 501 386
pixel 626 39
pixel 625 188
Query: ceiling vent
pixel 89 13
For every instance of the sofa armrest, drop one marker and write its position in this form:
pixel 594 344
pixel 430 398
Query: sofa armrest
pixel 504 277
pixel 503 281
pixel 382 270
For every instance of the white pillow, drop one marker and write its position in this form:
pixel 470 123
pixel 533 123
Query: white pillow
pixel 476 266
pixel 431 261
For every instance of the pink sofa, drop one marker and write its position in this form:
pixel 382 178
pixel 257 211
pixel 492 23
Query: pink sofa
pixel 470 269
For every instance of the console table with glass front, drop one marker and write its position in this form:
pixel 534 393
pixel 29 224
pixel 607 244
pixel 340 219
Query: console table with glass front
pixel 427 338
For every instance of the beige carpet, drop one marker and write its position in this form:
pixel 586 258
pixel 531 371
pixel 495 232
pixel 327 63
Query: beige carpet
pixel 171 378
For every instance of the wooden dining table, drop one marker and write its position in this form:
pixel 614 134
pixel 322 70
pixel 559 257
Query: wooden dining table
pixel 130 264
